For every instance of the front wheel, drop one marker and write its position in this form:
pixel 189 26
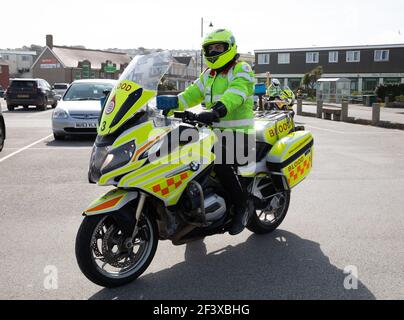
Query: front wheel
pixel 2 136
pixel 269 219
pixel 103 256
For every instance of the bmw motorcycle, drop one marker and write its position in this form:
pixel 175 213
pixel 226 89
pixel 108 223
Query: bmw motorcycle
pixel 162 174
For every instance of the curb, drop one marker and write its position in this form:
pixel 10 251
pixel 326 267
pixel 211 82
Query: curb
pixel 381 124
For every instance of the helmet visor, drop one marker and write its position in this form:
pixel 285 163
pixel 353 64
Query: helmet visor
pixel 215 49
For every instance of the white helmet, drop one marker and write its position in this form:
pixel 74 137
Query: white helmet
pixel 275 82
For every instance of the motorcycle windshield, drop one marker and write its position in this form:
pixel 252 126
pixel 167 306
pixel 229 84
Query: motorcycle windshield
pixel 136 86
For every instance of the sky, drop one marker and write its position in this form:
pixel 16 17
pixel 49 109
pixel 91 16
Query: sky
pixel 176 24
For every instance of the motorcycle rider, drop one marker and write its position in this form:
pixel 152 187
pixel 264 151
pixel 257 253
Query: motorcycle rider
pixel 227 88
pixel 274 89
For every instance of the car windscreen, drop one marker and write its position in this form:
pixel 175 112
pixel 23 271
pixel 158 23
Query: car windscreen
pixel 23 84
pixel 86 91
pixel 60 86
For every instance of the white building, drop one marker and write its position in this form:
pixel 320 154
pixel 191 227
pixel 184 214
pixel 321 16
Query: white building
pixel 19 62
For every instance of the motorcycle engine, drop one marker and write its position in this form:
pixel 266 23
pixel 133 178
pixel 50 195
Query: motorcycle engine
pixel 215 205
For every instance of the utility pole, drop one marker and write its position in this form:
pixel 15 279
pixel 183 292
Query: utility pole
pixel 201 47
pixel 210 26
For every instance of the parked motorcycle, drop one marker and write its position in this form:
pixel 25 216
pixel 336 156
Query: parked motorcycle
pixel 165 188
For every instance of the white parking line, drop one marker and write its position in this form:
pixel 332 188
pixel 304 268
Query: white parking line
pixel 25 148
pixel 54 148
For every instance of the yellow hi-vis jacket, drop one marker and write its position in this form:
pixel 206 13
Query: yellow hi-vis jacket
pixel 233 87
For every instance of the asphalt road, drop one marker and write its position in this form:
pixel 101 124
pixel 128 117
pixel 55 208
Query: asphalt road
pixel 349 212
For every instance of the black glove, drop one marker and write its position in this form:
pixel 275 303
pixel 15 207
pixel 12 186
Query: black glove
pixel 220 108
pixel 208 117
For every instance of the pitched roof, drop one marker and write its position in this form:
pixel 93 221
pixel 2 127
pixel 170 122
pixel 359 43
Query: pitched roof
pixel 71 56
pixel 183 60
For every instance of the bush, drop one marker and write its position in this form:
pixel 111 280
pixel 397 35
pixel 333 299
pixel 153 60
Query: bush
pixel 390 90
pixel 400 98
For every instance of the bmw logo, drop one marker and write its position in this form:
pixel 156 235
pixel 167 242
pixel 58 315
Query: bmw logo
pixel 194 166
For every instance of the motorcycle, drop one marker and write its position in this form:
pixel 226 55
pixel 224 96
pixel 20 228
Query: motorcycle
pixel 164 188
pixel 274 101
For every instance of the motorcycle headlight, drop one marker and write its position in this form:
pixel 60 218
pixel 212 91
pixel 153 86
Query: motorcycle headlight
pixel 60 114
pixel 97 159
pixel 118 157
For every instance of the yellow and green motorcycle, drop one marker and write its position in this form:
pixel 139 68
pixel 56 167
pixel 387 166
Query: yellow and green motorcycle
pixel 162 174
pixel 283 99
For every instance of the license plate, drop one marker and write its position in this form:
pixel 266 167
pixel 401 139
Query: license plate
pixel 86 125
pixel 23 96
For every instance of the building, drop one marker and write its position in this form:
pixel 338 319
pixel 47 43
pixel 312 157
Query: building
pixel 66 64
pixel 19 62
pixel 183 71
pixel 247 57
pixel 4 74
pixel 365 66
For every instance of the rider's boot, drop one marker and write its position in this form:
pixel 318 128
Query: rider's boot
pixel 240 220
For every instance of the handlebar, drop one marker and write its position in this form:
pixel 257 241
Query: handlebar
pixel 187 117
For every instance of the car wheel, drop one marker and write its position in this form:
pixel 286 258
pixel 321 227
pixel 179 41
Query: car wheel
pixel 58 136
pixel 10 107
pixel 2 136
pixel 44 106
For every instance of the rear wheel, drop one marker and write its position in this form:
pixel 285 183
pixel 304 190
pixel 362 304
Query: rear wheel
pixel 44 106
pixel 10 107
pixel 103 256
pixel 269 219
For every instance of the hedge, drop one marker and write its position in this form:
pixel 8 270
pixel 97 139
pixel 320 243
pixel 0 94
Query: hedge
pixel 390 90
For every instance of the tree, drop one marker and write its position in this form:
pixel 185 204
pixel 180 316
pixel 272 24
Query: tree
pixel 310 79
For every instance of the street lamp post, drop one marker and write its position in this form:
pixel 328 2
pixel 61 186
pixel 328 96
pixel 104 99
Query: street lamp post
pixel 210 26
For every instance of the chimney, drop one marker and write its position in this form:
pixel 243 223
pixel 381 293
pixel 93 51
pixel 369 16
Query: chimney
pixel 49 41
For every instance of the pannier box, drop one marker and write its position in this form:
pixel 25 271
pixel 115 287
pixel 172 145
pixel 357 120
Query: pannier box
pixel 290 160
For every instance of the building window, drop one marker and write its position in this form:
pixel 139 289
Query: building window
pixel 382 55
pixel 263 58
pixel 333 57
pixel 354 85
pixel 283 58
pixel 77 75
pixel 370 84
pixel 391 80
pixel 6 57
pixel 353 56
pixel 24 58
pixel 294 83
pixel 312 57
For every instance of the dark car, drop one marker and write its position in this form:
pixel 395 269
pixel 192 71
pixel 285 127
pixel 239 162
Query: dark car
pixel 1 92
pixel 2 130
pixel 28 92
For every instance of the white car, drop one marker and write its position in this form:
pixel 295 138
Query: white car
pixel 78 111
